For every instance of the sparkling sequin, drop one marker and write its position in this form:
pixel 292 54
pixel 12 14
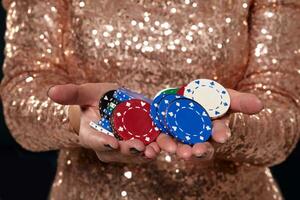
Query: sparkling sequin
pixel 146 45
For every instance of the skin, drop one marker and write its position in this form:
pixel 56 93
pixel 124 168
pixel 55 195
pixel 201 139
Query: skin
pixel 109 149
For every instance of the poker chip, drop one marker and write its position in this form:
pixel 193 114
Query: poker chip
pixel 163 105
pixel 105 123
pixel 108 110
pixel 123 94
pixel 180 91
pixel 131 120
pixel 154 112
pixel 210 94
pixel 188 121
pixel 167 91
pixel 100 129
pixel 112 105
pixel 105 100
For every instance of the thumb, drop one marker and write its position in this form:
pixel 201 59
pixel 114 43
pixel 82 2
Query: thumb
pixel 245 102
pixel 84 95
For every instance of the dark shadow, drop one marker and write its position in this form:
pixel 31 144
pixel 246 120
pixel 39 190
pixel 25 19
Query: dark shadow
pixel 27 175
pixel 23 174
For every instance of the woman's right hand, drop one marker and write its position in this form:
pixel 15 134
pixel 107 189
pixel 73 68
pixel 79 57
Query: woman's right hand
pixel 83 101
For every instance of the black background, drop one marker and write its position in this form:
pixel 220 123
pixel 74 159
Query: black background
pixel 27 175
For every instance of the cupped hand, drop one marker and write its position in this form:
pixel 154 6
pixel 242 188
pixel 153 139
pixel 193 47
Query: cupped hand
pixel 84 98
pixel 240 102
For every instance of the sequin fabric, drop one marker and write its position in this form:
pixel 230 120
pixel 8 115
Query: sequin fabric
pixel 252 46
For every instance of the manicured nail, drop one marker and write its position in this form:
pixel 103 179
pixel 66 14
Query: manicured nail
pixel 49 89
pixel 222 140
pixel 228 133
pixel 225 138
pixel 202 155
pixel 134 151
pixel 145 157
pixel 108 146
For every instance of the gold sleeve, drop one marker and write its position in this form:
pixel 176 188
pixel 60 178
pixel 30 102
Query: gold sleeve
pixel 34 61
pixel 273 74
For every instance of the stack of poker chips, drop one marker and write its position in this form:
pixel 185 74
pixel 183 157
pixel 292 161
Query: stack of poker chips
pixel 185 113
pixel 126 115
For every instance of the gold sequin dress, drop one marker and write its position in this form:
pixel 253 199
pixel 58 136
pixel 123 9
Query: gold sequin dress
pixel 251 46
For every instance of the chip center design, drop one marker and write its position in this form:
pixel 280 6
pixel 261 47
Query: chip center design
pixel 194 118
pixel 136 120
pixel 208 97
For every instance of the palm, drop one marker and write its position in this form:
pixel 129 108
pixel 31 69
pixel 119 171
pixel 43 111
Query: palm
pixel 240 102
pixel 111 150
pixel 107 148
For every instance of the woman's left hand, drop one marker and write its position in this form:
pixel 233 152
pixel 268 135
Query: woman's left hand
pixel 240 102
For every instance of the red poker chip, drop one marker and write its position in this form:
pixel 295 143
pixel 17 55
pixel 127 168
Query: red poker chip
pixel 181 90
pixel 131 120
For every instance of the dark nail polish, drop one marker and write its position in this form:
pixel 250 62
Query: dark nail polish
pixel 134 151
pixel 108 146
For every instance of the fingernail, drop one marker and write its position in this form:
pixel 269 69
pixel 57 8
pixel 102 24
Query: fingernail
pixel 228 133
pixel 144 156
pixel 201 155
pixel 49 89
pixel 222 140
pixel 134 151
pixel 108 146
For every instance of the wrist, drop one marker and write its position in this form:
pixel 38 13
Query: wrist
pixel 74 118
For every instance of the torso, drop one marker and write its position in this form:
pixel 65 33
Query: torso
pixel 147 46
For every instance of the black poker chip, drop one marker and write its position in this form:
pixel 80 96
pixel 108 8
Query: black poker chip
pixel 105 101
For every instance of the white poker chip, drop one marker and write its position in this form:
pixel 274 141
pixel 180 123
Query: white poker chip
pixel 210 94
pixel 100 128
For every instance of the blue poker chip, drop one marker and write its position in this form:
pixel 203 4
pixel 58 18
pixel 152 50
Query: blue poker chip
pixel 163 105
pixel 105 123
pixel 188 121
pixel 120 96
pixel 123 94
pixel 154 113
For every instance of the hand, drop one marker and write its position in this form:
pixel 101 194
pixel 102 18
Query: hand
pixel 240 102
pixel 85 98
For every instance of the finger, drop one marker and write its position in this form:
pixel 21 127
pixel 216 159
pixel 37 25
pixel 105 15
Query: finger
pixel 150 152
pixel 155 147
pixel 244 102
pixel 94 139
pixel 85 94
pixel 220 131
pixel 104 157
pixel 204 150
pixel 132 147
pixel 166 143
pixel 98 141
pixel 112 156
pixel 199 149
pixel 184 151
